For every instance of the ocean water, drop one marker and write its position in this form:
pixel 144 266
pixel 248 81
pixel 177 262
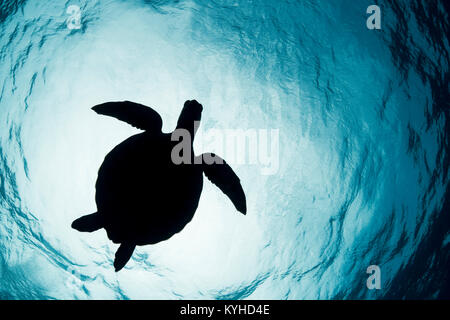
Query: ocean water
pixel 360 174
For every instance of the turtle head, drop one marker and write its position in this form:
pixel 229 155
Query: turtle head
pixel 192 112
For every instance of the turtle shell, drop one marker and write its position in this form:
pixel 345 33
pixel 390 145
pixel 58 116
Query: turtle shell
pixel 144 197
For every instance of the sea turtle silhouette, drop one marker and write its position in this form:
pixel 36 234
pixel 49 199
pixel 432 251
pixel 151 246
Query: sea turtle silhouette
pixel 144 197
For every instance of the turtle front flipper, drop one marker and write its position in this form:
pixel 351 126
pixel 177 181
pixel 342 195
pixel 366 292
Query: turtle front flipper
pixel 89 223
pixel 138 115
pixel 221 174
pixel 123 254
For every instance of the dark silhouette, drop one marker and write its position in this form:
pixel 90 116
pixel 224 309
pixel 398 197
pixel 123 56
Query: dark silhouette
pixel 142 196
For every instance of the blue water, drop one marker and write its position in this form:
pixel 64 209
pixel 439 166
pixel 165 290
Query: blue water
pixel 363 119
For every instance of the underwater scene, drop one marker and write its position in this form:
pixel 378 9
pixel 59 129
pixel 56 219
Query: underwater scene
pixel 334 116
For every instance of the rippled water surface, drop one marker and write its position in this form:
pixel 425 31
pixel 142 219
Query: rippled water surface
pixel 363 120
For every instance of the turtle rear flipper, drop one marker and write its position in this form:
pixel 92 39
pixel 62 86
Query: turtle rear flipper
pixel 89 223
pixel 123 254
pixel 221 174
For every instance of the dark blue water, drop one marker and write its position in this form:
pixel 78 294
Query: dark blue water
pixel 361 175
